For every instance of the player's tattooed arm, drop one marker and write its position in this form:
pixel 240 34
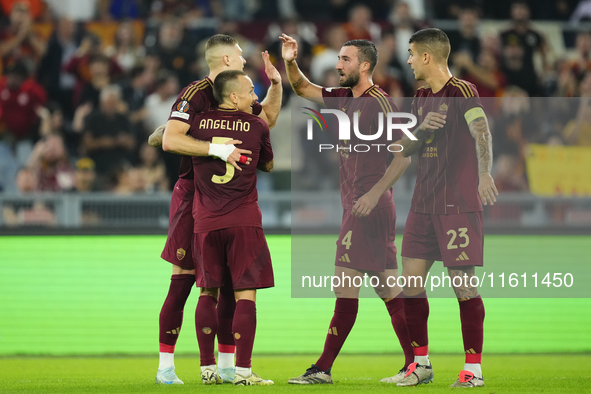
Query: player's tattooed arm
pixel 432 122
pixel 465 291
pixel 155 139
pixel 298 81
pixel 486 185
pixel 480 132
pixel 265 167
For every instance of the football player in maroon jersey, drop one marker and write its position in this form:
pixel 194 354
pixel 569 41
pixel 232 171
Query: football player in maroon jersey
pixel 454 147
pixel 222 52
pixel 228 232
pixel 366 240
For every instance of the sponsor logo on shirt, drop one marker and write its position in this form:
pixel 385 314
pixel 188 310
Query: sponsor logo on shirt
pixel 430 151
pixel 177 114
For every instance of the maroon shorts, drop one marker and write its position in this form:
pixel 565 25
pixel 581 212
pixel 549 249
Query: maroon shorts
pixel 367 244
pixel 177 249
pixel 243 250
pixel 457 240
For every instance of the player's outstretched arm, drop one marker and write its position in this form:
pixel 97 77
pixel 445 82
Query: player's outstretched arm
pixel 298 81
pixel 176 140
pixel 155 139
pixel 272 102
pixel 480 131
pixel 368 201
pixel 432 122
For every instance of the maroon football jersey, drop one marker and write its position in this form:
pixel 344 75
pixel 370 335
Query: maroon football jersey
pixel 360 171
pixel 228 197
pixel 447 175
pixel 193 100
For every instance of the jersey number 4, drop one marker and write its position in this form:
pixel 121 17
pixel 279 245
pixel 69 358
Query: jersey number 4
pixel 462 233
pixel 347 240
pixel 221 179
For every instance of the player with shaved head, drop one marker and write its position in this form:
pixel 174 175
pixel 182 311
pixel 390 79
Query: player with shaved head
pixel 228 234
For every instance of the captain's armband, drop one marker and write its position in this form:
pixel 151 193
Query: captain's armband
pixel 474 113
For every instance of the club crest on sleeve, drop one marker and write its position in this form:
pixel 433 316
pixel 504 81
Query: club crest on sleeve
pixel 183 106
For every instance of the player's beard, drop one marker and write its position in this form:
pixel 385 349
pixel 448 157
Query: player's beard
pixel 350 80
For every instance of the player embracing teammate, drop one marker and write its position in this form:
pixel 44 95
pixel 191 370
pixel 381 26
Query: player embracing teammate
pixel 222 53
pixel 229 244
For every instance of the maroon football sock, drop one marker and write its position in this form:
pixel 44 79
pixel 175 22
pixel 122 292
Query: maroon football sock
pixel 345 313
pixel 244 328
pixel 226 307
pixel 171 315
pixel 206 325
pixel 416 309
pixel 472 317
pixel 397 315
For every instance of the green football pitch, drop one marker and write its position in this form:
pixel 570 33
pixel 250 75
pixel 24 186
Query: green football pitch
pixel 351 374
pixel 101 295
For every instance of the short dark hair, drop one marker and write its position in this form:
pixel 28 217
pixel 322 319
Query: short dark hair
pixel 367 52
pixel 224 83
pixel 433 41
pixel 219 40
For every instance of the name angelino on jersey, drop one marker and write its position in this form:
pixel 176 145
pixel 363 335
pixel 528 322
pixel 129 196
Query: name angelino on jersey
pixel 234 125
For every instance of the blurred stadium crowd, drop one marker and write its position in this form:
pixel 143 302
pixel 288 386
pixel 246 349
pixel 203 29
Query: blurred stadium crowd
pixel 84 82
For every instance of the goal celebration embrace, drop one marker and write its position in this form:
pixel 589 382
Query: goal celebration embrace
pixel 361 196
pixel 446 201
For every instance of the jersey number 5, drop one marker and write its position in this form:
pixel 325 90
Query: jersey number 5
pixel 462 234
pixel 221 179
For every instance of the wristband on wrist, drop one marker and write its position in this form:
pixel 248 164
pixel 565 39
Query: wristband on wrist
pixel 221 150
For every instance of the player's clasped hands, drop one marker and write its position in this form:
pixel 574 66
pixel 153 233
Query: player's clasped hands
pixel 487 189
pixel 433 121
